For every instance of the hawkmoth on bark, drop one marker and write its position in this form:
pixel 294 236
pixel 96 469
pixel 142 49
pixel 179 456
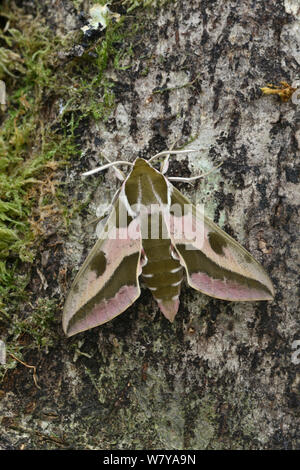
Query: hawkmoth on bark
pixel 185 242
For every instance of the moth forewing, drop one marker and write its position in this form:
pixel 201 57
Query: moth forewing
pixel 220 266
pixel 107 283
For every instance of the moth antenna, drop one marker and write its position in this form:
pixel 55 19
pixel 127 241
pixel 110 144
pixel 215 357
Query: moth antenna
pixel 171 152
pixel 107 165
pixel 193 178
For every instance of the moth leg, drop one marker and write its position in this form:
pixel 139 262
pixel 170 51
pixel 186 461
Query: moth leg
pixel 165 164
pixel 119 174
pixel 193 178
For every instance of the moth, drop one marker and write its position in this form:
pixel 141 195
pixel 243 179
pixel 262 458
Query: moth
pixel 156 234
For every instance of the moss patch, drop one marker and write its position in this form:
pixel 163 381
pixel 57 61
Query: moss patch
pixel 54 83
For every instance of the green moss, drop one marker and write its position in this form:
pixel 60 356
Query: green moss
pixel 35 331
pixel 26 147
pixel 31 152
pixel 50 93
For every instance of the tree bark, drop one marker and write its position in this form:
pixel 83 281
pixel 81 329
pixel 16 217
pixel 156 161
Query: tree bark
pixel 223 375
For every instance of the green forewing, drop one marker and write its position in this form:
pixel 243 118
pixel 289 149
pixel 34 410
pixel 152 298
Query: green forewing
pixel 107 283
pixel 220 266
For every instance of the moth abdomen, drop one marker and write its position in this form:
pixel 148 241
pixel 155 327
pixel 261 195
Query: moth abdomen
pixel 163 275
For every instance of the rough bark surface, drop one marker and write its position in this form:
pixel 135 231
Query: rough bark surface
pixel 222 376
